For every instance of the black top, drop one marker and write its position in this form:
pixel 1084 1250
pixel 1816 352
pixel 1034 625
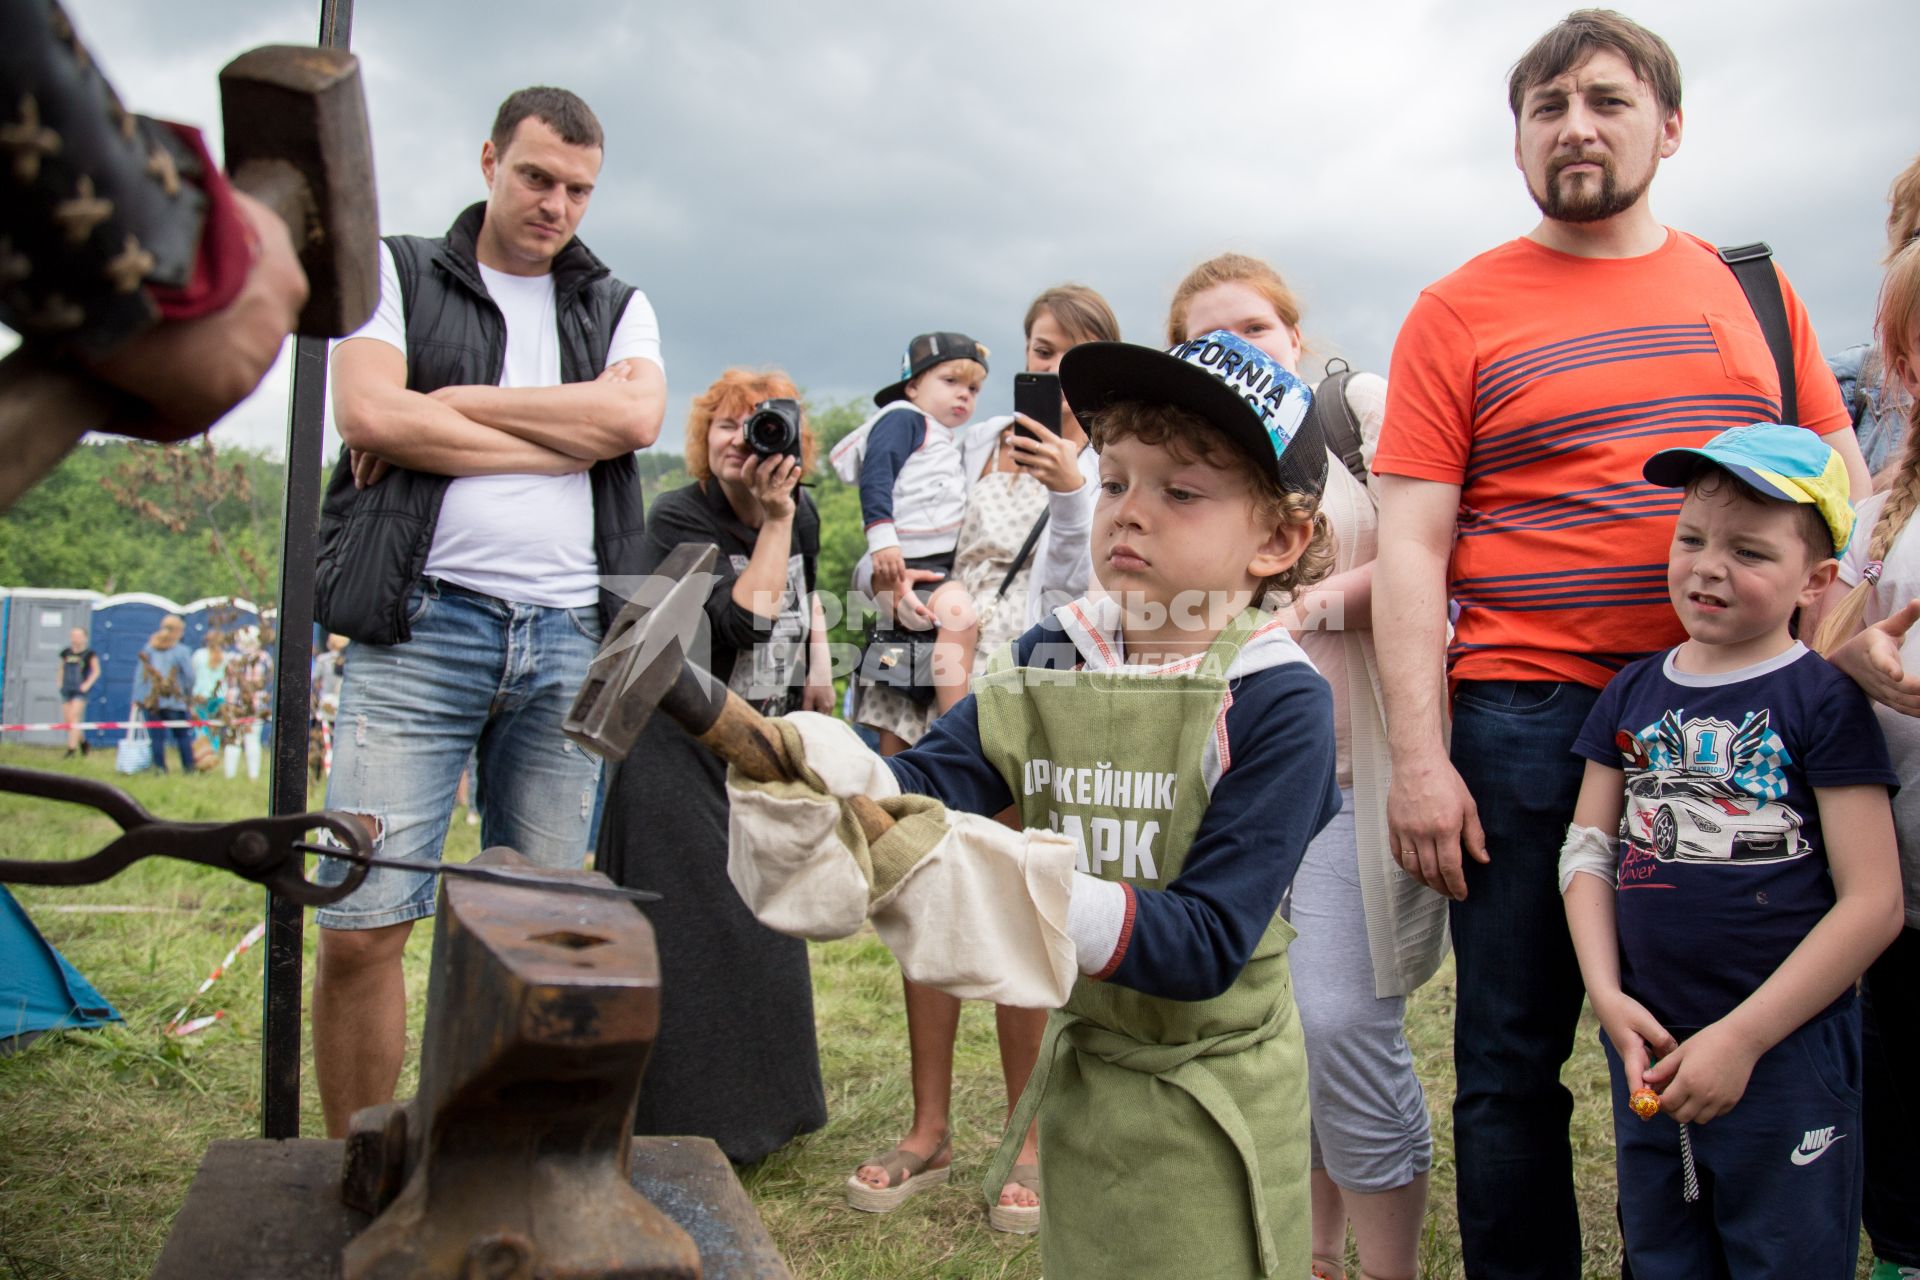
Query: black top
pixel 74 666
pixel 735 1059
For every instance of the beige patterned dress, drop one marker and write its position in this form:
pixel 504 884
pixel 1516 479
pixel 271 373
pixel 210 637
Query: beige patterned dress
pixel 1001 509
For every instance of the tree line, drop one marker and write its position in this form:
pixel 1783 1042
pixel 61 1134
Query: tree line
pixel 196 520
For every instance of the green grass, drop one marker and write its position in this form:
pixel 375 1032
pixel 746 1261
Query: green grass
pixel 100 1132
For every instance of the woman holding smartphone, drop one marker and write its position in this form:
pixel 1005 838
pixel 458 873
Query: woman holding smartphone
pixel 1019 470
pixel 1368 934
pixel 735 1059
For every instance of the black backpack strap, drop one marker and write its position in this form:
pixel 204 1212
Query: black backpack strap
pixel 1752 266
pixel 1339 426
pixel 1026 550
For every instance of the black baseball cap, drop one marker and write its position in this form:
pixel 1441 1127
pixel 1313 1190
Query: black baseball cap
pixel 924 352
pixel 1251 397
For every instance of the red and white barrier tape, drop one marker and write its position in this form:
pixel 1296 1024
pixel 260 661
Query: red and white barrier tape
pixel 177 1027
pixel 130 724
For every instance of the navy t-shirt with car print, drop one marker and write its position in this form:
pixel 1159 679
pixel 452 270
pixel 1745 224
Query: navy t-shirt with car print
pixel 1723 869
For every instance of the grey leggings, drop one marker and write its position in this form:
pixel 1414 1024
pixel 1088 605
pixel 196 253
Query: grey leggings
pixel 1370 1130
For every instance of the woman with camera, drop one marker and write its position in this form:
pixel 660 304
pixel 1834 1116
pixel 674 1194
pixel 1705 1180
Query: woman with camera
pixel 735 1059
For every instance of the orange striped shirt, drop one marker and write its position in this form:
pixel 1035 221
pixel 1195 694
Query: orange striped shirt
pixel 1539 383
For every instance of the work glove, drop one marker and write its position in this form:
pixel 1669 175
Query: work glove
pixel 966 905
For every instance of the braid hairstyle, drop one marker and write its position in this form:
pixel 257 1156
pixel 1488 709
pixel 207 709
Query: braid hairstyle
pixel 1899 325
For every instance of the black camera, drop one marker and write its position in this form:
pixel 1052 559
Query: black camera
pixel 773 428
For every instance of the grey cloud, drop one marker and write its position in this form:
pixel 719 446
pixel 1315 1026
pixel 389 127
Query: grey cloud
pixel 807 186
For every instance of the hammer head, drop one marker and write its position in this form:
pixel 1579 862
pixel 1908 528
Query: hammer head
pixel 644 653
pixel 296 138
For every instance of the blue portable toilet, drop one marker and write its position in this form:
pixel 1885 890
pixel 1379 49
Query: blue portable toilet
pixel 122 625
pixel 230 613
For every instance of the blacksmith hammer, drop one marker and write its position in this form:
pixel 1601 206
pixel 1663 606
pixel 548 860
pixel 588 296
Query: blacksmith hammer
pixel 642 664
pixel 297 141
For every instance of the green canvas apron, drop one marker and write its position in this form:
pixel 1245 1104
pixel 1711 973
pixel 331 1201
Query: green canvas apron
pixel 1173 1133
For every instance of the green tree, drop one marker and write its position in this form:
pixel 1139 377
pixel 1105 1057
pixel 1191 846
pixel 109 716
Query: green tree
pixel 182 521
pixel 842 538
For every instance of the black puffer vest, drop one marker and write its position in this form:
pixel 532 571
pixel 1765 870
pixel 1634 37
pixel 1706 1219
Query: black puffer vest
pixel 374 542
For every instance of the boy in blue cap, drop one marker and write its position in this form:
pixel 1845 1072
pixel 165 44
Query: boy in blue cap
pixel 1170 753
pixel 1752 881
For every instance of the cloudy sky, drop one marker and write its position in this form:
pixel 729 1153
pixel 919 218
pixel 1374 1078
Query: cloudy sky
pixel 808 185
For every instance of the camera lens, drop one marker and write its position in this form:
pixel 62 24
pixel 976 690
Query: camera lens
pixel 774 428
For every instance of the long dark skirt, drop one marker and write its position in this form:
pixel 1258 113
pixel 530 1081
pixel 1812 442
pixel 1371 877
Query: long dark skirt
pixel 736 1060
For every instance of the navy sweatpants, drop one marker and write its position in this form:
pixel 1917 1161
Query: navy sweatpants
pixel 1780 1174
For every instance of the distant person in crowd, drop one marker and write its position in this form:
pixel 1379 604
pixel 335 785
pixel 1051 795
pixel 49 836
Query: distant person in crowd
pixel 329 668
pixel 249 697
pixel 472 543
pixel 1509 475
pixel 735 1059
pixel 1879 402
pixel 1368 934
pixel 79 672
pixel 1869 633
pixel 1729 875
pixel 210 689
pixel 1016 481
pixel 908 463
pixel 163 688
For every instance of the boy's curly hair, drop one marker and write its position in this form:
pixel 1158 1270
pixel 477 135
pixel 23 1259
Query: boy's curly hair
pixel 1191 438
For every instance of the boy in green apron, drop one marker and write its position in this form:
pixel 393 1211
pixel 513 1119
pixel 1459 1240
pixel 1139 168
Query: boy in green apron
pixel 1171 753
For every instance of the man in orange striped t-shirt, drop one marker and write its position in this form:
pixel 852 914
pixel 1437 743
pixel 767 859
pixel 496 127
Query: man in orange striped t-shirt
pixel 1527 389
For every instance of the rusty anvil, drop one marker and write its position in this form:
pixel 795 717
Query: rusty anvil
pixel 642 664
pixel 296 140
pixel 516 1160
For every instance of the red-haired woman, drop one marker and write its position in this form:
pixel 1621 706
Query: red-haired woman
pixel 735 1060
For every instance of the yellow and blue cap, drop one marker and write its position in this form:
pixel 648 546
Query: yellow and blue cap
pixel 1788 463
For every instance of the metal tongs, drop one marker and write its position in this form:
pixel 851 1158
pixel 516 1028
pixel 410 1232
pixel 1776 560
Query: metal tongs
pixel 268 851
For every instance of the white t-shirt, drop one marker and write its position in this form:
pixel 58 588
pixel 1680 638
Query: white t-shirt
pixel 1899 582
pixel 517 537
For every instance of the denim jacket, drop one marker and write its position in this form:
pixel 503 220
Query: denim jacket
pixel 1876 402
pixel 172 673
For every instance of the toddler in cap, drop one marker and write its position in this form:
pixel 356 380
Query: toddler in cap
pixel 908 463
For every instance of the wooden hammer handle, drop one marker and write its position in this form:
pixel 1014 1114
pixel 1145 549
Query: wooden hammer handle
pixel 742 737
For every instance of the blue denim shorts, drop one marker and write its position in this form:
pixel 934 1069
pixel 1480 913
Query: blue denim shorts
pixel 478 671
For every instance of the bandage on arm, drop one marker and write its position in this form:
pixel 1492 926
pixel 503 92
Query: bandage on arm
pixel 1588 851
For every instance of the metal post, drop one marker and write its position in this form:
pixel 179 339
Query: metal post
pixel 280 1033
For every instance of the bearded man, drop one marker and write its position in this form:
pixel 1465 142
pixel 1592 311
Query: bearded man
pixel 1527 389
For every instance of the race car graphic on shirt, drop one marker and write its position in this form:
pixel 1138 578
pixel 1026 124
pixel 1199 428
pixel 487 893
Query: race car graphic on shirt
pixel 1705 790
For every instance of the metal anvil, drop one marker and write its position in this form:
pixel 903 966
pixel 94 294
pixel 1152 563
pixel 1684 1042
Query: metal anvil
pixel 516 1160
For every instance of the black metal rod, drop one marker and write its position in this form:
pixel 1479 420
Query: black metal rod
pixel 280 1032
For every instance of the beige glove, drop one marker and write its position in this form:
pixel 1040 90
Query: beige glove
pixel 982 913
pixel 966 905
pixel 799 859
